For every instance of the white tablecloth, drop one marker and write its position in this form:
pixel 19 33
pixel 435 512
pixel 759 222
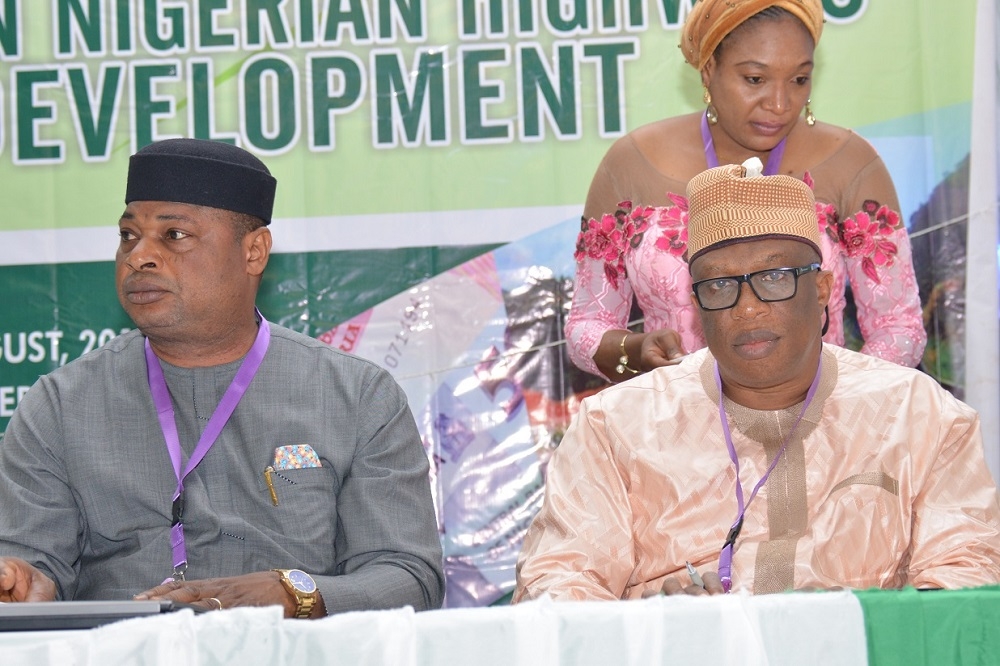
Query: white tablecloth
pixel 797 628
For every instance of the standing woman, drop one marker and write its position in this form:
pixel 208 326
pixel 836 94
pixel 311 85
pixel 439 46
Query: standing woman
pixel 756 63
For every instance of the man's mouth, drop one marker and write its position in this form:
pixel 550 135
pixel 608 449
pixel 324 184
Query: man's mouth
pixel 755 344
pixel 143 292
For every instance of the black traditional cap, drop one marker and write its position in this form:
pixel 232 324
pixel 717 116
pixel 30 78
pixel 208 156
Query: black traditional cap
pixel 204 173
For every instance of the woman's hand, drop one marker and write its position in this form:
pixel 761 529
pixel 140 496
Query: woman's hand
pixel 645 351
pixel 660 348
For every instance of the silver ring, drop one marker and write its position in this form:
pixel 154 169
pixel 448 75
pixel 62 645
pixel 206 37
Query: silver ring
pixel 216 601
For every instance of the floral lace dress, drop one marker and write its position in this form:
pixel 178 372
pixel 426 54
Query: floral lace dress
pixel 638 250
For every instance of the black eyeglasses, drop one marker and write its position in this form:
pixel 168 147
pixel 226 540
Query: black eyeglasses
pixel 771 285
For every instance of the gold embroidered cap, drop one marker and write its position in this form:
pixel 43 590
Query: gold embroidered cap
pixel 734 204
pixel 711 20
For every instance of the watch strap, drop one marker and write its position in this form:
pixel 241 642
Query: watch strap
pixel 304 602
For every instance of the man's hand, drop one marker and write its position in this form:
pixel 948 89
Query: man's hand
pixel 19 581
pixel 262 588
pixel 713 585
pixel 659 348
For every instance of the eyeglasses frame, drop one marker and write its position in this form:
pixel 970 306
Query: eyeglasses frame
pixel 745 278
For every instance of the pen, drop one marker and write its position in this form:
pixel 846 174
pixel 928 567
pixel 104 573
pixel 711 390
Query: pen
pixel 268 471
pixel 695 576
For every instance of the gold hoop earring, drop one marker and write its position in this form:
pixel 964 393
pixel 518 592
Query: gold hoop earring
pixel 710 113
pixel 810 117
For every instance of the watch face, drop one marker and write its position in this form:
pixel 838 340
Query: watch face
pixel 302 581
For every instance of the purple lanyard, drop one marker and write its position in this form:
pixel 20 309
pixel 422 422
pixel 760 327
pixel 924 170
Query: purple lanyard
pixel 165 412
pixel 726 556
pixel 773 159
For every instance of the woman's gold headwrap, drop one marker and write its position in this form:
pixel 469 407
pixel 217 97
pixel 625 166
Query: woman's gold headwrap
pixel 711 20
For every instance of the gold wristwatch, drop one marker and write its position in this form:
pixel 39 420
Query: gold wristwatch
pixel 301 586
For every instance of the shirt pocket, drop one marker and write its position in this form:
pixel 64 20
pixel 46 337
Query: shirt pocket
pixel 302 515
pixel 862 532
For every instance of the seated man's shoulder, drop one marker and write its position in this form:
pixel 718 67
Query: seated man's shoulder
pixel 849 360
pixel 676 379
pixel 123 348
pixel 289 345
pixel 687 368
pixel 868 374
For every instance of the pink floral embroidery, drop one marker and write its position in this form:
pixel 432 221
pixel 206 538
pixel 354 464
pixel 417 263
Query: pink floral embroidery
pixel 608 238
pixel 864 235
pixel 888 219
pixel 673 241
pixel 858 235
pixel 829 220
pixel 673 220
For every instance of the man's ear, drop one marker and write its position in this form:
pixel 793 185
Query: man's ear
pixel 258 250
pixel 824 287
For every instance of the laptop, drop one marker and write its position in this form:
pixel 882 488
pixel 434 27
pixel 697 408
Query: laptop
pixel 38 616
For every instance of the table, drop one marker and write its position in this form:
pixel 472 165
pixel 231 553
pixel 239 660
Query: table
pixel 877 627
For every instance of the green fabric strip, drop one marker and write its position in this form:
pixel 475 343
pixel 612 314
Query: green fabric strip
pixel 933 627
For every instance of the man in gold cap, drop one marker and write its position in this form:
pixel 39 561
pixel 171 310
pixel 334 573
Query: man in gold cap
pixel 770 460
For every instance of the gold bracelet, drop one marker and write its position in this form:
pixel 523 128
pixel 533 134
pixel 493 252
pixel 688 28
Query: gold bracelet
pixel 623 359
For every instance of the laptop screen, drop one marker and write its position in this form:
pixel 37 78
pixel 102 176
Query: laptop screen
pixel 32 616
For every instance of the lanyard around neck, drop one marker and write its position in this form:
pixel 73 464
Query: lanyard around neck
pixel 726 555
pixel 773 159
pixel 168 424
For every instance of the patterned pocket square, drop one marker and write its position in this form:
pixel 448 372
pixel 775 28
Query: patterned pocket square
pixel 295 456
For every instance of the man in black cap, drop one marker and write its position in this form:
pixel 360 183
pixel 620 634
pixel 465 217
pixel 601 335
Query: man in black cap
pixel 211 457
